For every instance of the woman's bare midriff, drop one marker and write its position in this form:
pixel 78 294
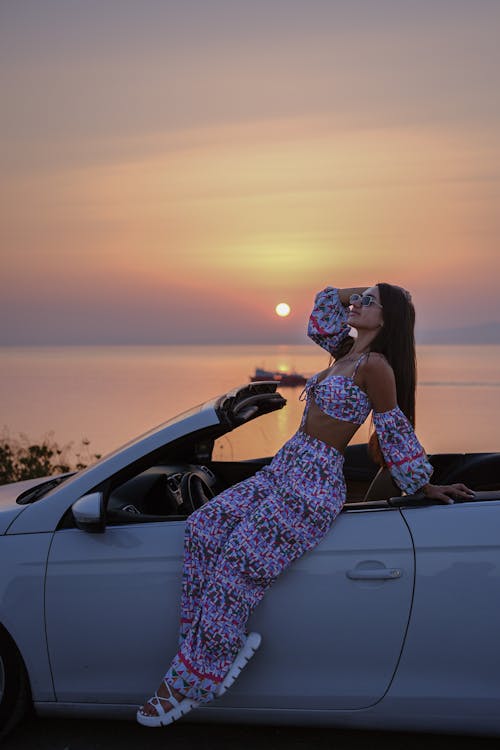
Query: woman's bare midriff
pixel 334 432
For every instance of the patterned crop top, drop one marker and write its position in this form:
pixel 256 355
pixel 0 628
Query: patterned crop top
pixel 339 397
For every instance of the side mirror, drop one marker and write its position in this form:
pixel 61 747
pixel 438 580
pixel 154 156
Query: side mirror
pixel 88 513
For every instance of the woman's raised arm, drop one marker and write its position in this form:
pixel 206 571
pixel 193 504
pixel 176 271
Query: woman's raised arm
pixel 328 325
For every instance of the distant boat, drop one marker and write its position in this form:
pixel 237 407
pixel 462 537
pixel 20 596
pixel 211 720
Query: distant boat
pixel 283 378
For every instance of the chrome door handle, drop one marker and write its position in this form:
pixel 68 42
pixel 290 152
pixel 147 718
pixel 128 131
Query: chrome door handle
pixel 358 574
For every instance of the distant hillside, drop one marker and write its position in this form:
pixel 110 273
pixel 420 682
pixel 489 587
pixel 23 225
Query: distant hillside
pixel 485 333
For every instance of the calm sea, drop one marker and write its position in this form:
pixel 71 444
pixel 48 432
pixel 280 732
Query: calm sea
pixel 109 395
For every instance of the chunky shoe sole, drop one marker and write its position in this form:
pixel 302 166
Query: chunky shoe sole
pixel 167 717
pixel 249 648
pixel 162 718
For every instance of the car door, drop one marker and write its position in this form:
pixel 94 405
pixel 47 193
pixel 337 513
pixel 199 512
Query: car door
pixel 112 610
pixel 333 624
pixel 451 660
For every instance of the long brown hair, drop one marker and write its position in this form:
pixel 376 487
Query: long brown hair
pixel 396 341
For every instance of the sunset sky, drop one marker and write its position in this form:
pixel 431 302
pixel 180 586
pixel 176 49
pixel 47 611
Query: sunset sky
pixel 172 169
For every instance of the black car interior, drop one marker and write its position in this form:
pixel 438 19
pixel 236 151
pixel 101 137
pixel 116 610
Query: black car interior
pixel 173 486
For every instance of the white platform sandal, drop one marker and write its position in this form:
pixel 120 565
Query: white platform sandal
pixel 249 648
pixel 162 717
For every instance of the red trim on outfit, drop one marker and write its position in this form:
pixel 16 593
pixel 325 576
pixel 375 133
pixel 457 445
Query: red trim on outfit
pixel 404 460
pixel 194 671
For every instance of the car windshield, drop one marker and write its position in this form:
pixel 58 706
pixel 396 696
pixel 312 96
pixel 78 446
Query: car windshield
pixel 46 485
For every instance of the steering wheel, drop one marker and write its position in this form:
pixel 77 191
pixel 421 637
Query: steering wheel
pixel 196 488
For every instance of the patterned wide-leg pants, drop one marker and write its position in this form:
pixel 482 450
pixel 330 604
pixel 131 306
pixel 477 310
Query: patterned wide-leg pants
pixel 236 546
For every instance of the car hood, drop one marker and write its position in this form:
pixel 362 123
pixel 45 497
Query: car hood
pixel 9 493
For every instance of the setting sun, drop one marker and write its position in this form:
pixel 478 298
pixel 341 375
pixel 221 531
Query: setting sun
pixel 282 309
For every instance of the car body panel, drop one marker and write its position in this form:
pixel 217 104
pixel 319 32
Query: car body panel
pixel 331 642
pixel 22 611
pixel 385 715
pixel 118 595
pixel 452 648
pixel 8 516
pixel 9 509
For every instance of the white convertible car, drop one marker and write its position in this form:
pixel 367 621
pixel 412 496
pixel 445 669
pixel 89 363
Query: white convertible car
pixel 392 622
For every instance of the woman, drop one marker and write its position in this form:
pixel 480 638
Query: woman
pixel 237 544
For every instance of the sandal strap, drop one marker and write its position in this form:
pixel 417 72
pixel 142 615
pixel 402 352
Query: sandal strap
pixel 171 697
pixel 158 706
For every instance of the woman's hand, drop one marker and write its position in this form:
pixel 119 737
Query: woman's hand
pixel 447 493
